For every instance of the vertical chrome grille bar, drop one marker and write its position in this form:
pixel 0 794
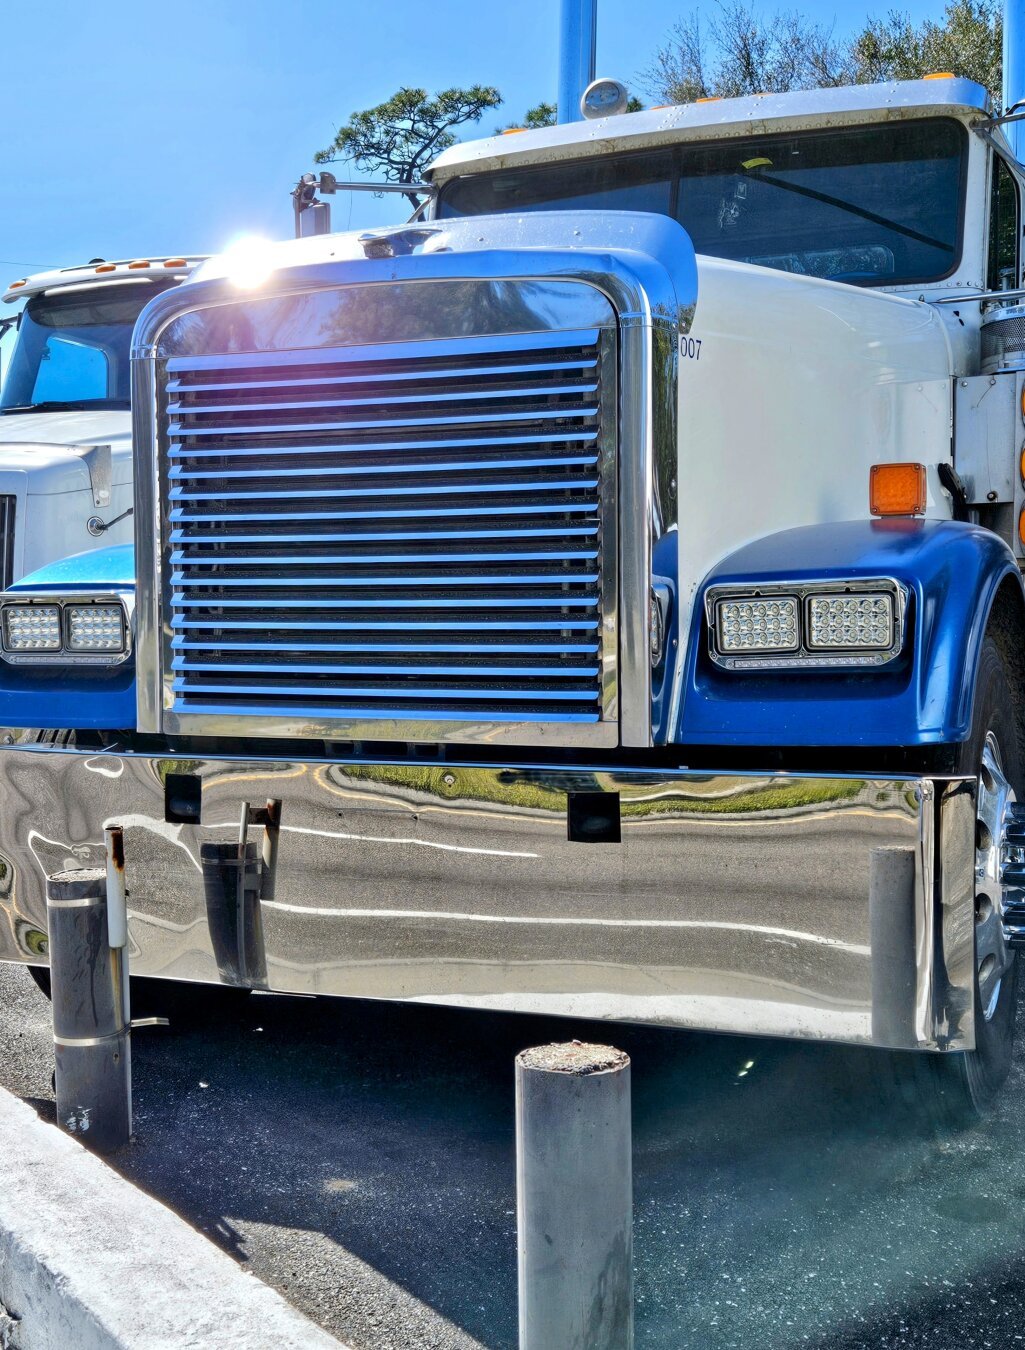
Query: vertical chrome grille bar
pixel 7 514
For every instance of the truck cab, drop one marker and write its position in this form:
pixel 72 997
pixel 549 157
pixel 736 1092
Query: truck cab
pixel 65 419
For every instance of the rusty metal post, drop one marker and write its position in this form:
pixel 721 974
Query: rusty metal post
pixel 574 1194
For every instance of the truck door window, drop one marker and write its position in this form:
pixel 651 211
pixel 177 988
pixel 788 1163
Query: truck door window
pixel 1002 270
pixel 70 371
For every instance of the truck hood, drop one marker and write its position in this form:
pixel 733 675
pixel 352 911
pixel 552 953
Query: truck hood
pixel 48 446
pixel 96 569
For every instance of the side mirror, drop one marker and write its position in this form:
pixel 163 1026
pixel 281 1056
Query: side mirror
pixel 315 218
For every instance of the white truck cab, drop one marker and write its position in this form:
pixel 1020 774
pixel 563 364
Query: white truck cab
pixel 65 419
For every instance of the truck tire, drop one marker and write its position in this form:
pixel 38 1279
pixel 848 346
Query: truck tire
pixel 959 1088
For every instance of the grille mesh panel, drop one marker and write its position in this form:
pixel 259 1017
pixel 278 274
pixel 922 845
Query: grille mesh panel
pixel 410 532
pixel 1003 342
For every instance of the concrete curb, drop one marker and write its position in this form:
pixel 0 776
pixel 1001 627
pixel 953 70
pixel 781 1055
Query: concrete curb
pixel 90 1262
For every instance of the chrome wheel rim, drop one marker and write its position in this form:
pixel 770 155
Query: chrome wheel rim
pixel 993 955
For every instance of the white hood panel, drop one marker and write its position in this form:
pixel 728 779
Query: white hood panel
pixel 37 445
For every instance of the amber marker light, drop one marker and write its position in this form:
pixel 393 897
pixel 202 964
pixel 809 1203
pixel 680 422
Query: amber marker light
pixel 896 489
pixel 939 75
pixel 1021 527
pixel 175 262
pixel 15 284
pixel 107 267
pixel 140 262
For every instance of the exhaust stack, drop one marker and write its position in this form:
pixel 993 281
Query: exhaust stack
pixel 578 22
pixel 1014 70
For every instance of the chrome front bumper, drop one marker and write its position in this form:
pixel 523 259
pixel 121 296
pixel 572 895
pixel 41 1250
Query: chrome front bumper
pixel 755 903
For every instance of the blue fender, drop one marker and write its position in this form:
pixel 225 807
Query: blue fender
pixel 952 570
pixel 57 698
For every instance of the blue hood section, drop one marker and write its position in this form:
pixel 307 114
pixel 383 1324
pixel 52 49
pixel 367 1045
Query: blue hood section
pixel 61 698
pixel 98 570
pixel 952 571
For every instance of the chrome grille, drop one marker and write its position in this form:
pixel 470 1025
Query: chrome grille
pixel 418 532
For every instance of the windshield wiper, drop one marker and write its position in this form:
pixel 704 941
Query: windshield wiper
pixel 49 405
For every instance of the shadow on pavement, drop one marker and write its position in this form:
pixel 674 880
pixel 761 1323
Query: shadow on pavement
pixel 360 1157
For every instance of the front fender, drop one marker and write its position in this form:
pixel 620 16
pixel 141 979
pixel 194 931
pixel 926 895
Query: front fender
pixel 952 570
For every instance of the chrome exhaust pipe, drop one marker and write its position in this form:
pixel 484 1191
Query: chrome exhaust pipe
pixel 1013 70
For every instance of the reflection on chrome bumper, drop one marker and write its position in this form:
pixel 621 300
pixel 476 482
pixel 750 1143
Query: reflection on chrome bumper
pixel 754 903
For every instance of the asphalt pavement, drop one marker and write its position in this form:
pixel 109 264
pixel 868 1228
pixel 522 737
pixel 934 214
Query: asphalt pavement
pixel 359 1158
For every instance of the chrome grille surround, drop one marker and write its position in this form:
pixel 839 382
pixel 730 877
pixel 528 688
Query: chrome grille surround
pixel 364 532
pixel 631 276
pixel 8 510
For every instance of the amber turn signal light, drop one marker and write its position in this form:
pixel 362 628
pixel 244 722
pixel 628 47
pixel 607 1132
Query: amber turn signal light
pixel 896 489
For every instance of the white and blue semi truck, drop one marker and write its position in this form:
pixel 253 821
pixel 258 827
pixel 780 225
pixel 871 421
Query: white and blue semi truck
pixel 602 598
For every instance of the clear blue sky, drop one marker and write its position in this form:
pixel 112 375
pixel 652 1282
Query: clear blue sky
pixel 135 128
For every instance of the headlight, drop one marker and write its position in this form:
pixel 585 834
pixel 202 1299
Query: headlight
pixel 850 622
pixel 32 628
pixel 768 625
pixel 806 624
pixel 64 629
pixel 95 628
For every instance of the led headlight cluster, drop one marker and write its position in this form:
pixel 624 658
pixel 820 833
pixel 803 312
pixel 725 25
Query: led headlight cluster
pixel 768 625
pixel 68 629
pixel 32 628
pixel 95 628
pixel 850 622
pixel 815 624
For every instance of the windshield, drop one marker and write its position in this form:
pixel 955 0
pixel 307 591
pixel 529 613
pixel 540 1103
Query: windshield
pixel 872 205
pixel 72 348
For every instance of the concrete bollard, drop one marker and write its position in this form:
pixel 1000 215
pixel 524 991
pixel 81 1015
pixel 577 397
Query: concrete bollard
pixel 574 1195
pixel 91 1031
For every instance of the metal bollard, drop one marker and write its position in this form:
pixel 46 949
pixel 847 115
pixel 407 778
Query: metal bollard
pixel 91 1029
pixel 574 1197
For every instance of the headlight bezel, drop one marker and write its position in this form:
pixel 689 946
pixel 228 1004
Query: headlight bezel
pixel 64 602
pixel 804 656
